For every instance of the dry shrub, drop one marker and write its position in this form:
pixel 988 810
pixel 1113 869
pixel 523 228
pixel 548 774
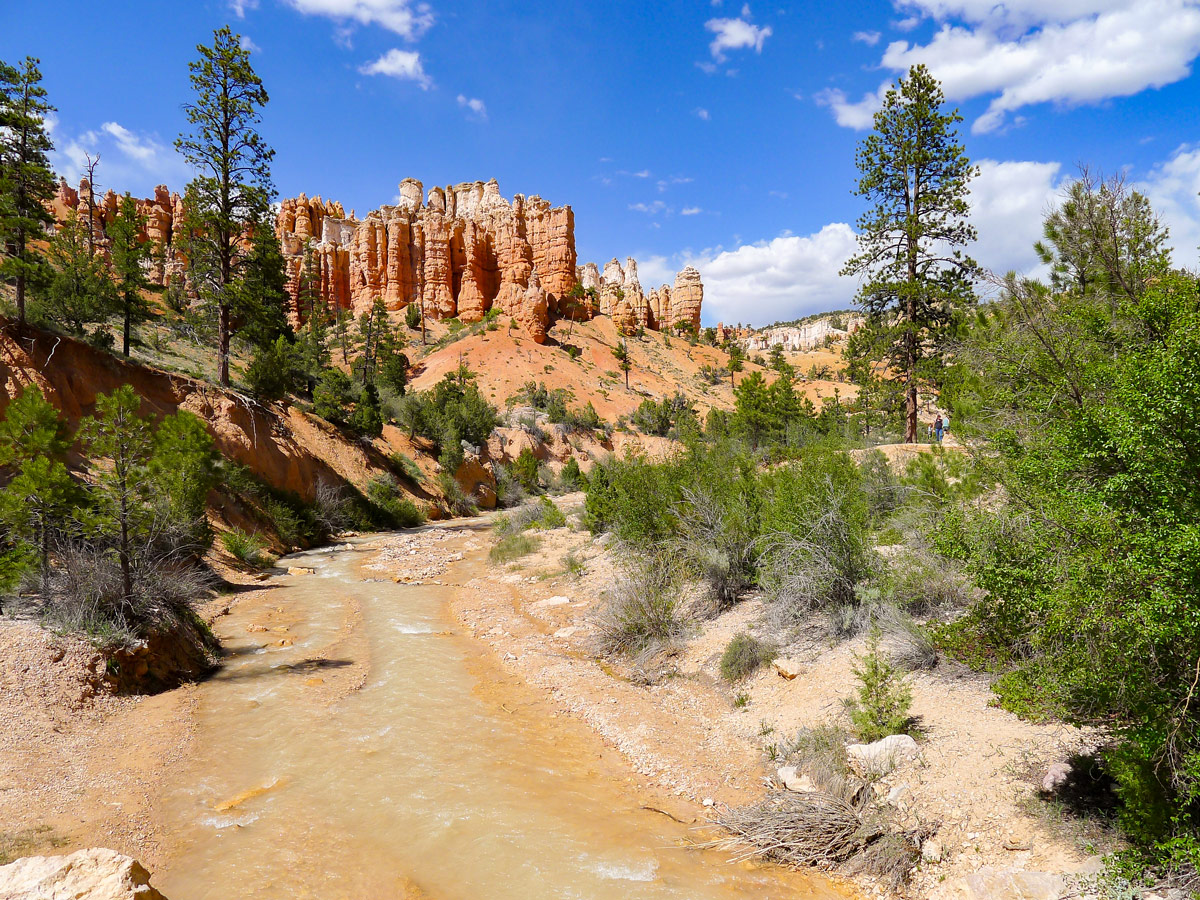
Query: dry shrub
pixel 824 831
pixel 820 753
pixel 643 609
pixel 906 643
pixel 744 655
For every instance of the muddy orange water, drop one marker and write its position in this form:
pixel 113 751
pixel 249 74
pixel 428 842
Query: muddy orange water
pixel 353 747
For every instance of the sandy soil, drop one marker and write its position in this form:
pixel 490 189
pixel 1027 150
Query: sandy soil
pixel 78 767
pixel 975 779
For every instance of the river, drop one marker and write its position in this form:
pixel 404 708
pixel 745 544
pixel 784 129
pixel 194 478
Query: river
pixel 354 746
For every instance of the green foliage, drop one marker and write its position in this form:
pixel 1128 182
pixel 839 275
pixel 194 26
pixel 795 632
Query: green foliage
pixel 525 469
pixel 744 655
pixel 366 420
pixel 512 547
pixel 271 374
pixel 549 516
pixel 80 291
pixel 412 316
pixel 232 185
pixel 658 418
pixel 407 468
pixel 392 508
pixel 331 396
pixel 129 254
pixel 883 698
pixel 915 274
pixel 295 522
pixel 247 549
pixel 28 183
pixel 621 354
pixel 571 477
pixel 452 412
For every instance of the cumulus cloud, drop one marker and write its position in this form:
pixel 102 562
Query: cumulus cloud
pixel 1173 188
pixel 651 209
pixel 239 7
pixel 402 64
pixel 794 275
pixel 129 160
pixel 859 115
pixel 477 107
pixel 405 18
pixel 248 45
pixel 1024 53
pixel 870 38
pixel 735 34
pixel 691 211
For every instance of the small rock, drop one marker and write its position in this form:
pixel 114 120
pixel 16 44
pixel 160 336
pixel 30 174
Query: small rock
pixel 1056 776
pixel 551 601
pixel 301 570
pixel 788 668
pixel 932 850
pixel 1017 844
pixel 708 801
pixel 564 633
pixel 1008 884
pixel 794 781
pixel 882 756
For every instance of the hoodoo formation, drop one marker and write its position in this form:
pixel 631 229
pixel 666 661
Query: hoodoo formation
pixel 461 251
pixel 458 252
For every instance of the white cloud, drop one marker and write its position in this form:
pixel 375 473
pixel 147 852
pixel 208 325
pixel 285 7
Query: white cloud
pixel 702 113
pixel 870 38
pixel 1008 201
pixel 248 45
pixel 1173 188
pixel 735 34
pixel 650 209
pixel 474 104
pixel 859 116
pixel 403 64
pixel 129 161
pixel 664 183
pixel 1026 52
pixel 240 7
pixel 403 17
pixel 690 211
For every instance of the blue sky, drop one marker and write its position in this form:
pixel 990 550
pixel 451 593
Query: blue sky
pixel 706 132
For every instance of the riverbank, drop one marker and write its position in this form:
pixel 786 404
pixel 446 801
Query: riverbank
pixel 689 734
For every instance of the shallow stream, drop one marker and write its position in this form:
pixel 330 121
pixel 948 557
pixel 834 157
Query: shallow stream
pixel 353 746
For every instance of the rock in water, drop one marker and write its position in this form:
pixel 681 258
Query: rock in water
pixel 95 874
pixel 882 756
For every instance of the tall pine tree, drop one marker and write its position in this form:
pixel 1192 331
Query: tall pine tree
pixel 26 182
pixel 915 274
pixel 232 188
pixel 128 253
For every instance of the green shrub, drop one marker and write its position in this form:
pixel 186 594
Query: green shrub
pixel 456 498
pixel 407 468
pixel 391 507
pixel 571 477
pixel 412 316
pixel 744 655
pixel 525 469
pixel 549 516
pixel 643 610
pixel 883 698
pixel 512 547
pixel 248 549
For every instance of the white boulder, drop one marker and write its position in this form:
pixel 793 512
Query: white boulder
pixel 95 874
pixel 882 756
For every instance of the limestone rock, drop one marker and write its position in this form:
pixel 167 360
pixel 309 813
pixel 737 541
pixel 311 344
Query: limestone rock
pixel 788 668
pixel 794 781
pixel 1056 776
pixel 1007 884
pixel 477 481
pixel 686 299
pixel 882 756
pixel 96 874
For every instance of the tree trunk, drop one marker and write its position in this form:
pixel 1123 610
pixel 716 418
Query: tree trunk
pixel 223 345
pixel 126 568
pixel 125 332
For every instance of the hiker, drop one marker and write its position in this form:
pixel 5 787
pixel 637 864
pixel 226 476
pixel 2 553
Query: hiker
pixel 946 423
pixel 938 428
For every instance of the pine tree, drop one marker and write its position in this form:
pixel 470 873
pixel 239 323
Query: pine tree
pixel 916 276
pixel 232 189
pixel 37 502
pixel 26 181
pixel 123 490
pixel 80 290
pixel 129 253
pixel 621 352
pixel 260 297
pixel 737 357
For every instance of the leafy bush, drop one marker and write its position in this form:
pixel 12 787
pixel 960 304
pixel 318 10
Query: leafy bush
pixel 390 504
pixel 525 470
pixel 549 516
pixel 883 698
pixel 571 477
pixel 248 549
pixel 407 468
pixel 744 655
pixel 412 316
pixel 456 498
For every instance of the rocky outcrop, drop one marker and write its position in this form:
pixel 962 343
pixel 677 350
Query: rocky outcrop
pixel 803 335
pixel 97 874
pixel 686 299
